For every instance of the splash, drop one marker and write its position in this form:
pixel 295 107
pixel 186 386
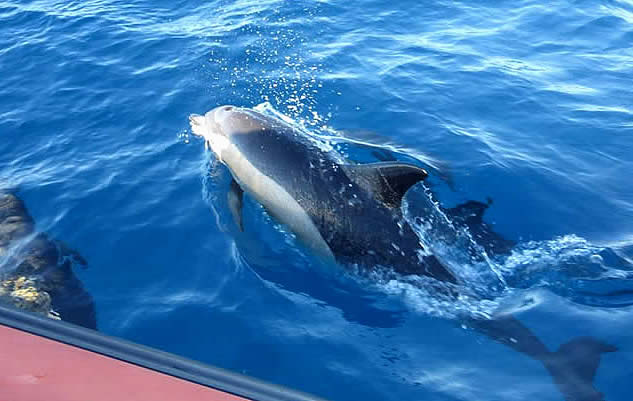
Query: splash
pixel 574 268
pixel 569 266
pixel 271 65
pixel 322 143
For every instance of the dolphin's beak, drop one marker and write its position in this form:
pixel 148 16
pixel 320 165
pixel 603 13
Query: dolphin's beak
pixel 197 123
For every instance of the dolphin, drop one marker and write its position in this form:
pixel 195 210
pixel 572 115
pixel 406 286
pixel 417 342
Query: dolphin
pixel 36 271
pixel 351 213
pixel 318 196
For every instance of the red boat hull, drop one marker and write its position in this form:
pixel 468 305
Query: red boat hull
pixel 34 368
pixel 47 360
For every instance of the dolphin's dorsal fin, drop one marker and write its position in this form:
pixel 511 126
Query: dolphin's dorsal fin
pixel 388 181
pixel 470 212
pixel 235 196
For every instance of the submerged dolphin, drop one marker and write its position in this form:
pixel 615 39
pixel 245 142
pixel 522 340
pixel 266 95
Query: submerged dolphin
pixel 36 271
pixel 351 213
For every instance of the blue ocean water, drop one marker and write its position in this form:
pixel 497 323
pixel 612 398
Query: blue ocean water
pixel 525 103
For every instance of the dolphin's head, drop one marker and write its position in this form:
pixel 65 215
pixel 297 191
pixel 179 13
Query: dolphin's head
pixel 220 126
pixel 215 127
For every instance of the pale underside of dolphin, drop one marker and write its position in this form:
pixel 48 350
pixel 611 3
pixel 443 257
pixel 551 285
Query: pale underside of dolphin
pixel 351 213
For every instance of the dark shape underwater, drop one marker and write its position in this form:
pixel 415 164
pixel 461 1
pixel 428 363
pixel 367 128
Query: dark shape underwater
pixel 36 272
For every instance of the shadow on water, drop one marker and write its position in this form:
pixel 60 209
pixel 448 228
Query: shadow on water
pixel 357 304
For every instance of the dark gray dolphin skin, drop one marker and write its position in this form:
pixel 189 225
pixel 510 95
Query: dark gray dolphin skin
pixel 36 272
pixel 351 213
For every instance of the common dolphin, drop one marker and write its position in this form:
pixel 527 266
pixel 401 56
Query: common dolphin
pixel 36 271
pixel 319 198
pixel 351 213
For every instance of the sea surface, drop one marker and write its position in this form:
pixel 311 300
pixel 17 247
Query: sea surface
pixel 527 104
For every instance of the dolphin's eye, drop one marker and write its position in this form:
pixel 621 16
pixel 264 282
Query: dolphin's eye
pixel 228 108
